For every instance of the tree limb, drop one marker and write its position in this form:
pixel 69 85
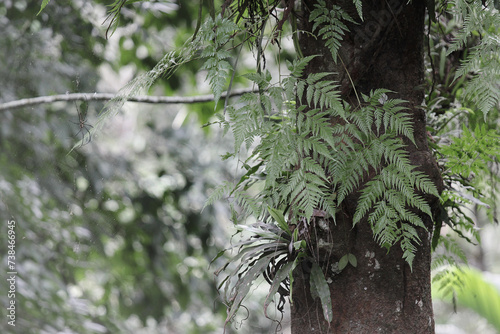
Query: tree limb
pixel 108 97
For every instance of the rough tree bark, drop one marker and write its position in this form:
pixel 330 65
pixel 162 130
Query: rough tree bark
pixel 382 294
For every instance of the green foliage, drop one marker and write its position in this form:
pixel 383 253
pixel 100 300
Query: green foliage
pixel 268 251
pixel 472 151
pixel 469 157
pixel 331 24
pixel 472 292
pixel 208 45
pixel 110 237
pixel 483 60
pixel 302 162
pixel 359 8
pixel 220 31
pixel 346 259
pixel 319 288
pixel 138 236
pixel 310 164
pixel 43 5
pixel 114 14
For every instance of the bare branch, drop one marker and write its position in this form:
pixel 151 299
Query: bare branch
pixel 108 97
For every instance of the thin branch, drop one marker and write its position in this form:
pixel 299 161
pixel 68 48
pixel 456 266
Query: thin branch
pixel 108 97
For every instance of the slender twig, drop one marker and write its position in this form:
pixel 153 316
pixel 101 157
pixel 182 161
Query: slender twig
pixel 108 97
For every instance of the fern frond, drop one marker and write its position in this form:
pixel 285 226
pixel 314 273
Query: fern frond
pixel 397 189
pixel 217 75
pixel 219 31
pixel 309 164
pixel 384 224
pixel 281 155
pixel 408 240
pixel 307 196
pixel 388 112
pixel 484 64
pixel 484 88
pixel 260 79
pixel 359 8
pixel 484 61
pixel 391 224
pixel 331 24
pixel 298 65
pixel 250 204
pixel 319 93
pixel 218 193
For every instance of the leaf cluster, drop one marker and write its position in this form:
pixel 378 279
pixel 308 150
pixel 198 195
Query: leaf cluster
pixel 329 24
pixel 468 287
pixel 271 251
pixel 310 154
pixel 310 163
pixel 219 31
pixel 481 19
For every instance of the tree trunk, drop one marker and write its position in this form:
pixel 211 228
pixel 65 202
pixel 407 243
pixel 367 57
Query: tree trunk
pixel 382 294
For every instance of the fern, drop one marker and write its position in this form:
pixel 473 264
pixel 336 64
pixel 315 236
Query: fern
pixel 310 151
pixel 484 60
pixel 484 64
pixel 245 121
pixel 448 259
pixel 330 23
pixel 472 151
pixel 219 32
pixel 218 193
pixel 311 165
pixel 359 8
pixel 209 43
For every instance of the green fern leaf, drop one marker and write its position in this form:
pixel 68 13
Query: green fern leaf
pixel 331 23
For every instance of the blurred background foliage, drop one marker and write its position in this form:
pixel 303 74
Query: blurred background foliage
pixel 110 237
